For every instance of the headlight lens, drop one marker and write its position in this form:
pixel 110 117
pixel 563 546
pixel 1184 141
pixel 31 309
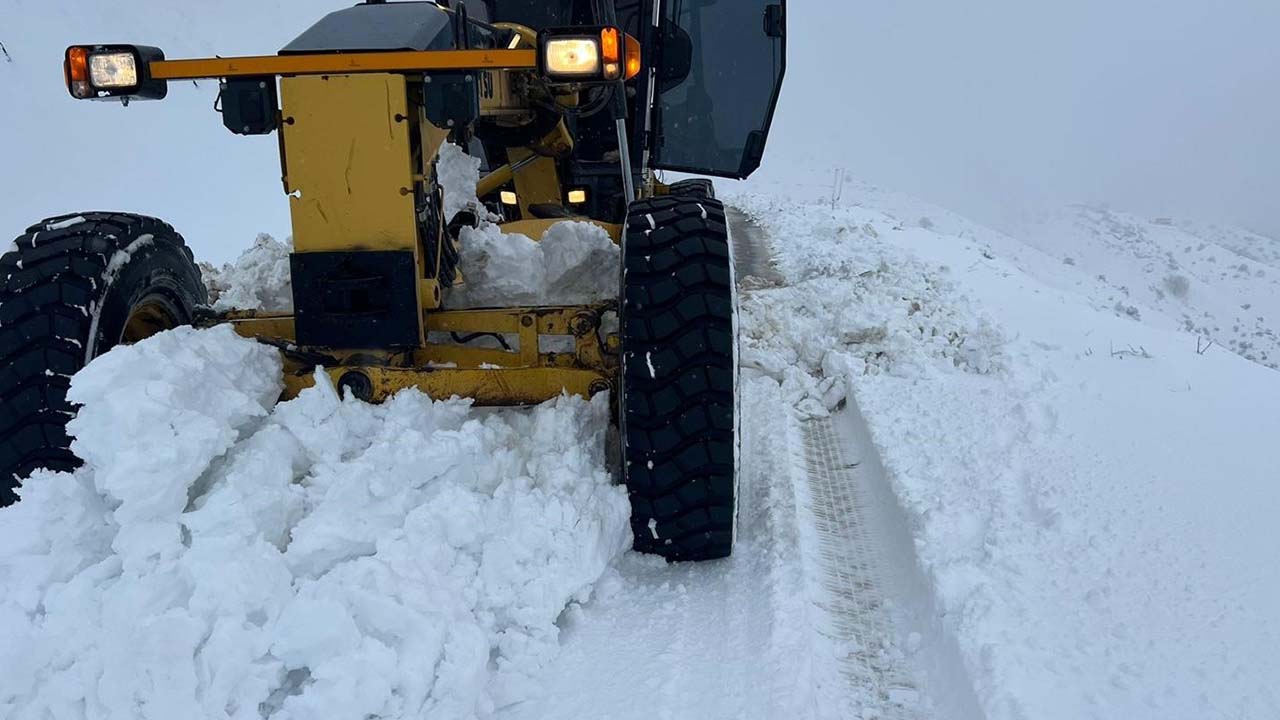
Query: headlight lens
pixel 572 57
pixel 113 71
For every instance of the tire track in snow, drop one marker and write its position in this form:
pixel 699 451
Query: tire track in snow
pixel 843 569
pixel 751 255
pixel 858 556
pixel 851 575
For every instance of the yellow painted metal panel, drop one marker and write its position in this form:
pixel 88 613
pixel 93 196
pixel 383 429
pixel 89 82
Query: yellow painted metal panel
pixel 350 174
pixel 537 182
pixel 526 386
pixel 499 98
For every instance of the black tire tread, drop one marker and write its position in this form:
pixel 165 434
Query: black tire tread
pixel 694 187
pixel 49 281
pixel 678 420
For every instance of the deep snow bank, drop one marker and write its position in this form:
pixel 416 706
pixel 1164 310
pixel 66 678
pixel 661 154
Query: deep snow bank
pixel 220 557
pixel 1095 513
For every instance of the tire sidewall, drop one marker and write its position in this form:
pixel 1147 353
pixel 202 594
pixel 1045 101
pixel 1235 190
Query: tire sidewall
pixel 158 269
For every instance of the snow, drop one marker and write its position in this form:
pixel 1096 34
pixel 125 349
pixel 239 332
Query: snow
pixel 117 262
pixel 574 263
pixel 458 173
pixel 66 223
pixel 1095 530
pixel 258 280
pixel 1219 283
pixel 218 556
pixel 1064 529
pixel 961 497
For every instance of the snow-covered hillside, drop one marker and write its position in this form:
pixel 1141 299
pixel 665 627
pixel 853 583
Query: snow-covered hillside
pixel 1219 283
pixel 1093 509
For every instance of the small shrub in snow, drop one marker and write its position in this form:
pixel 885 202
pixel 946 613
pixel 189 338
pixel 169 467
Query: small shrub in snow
pixel 1129 310
pixel 1177 285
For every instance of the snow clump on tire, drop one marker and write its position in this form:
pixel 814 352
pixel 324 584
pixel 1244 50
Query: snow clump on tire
pixel 218 556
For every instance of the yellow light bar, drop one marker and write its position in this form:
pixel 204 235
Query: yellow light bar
pixel 344 63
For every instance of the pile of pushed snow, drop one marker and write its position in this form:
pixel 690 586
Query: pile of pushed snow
pixel 575 263
pixel 221 557
pixel 258 280
pixel 868 310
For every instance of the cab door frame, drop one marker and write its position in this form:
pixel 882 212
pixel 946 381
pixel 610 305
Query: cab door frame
pixel 648 125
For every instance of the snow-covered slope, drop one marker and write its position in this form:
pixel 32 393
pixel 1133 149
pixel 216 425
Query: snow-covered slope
pixel 1091 502
pixel 1219 283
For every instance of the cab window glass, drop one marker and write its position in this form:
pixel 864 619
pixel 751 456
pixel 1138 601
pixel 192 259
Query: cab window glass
pixel 714 119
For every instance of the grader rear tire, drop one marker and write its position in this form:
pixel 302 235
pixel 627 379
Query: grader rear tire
pixel 71 288
pixel 679 372
pixel 695 188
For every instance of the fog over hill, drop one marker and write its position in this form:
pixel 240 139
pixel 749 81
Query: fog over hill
pixel 994 110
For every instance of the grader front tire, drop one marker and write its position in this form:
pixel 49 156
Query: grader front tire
pixel 71 288
pixel 678 378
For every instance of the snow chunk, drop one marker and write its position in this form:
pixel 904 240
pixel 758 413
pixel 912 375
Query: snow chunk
pixel 65 223
pixel 217 557
pixel 258 280
pixel 576 263
pixel 582 263
pixel 458 173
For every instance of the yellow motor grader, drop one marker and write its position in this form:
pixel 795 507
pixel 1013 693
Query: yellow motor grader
pixel 570 106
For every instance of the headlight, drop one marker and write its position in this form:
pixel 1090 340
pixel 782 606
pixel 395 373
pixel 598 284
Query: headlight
pixel 572 57
pixel 113 71
pixel 587 55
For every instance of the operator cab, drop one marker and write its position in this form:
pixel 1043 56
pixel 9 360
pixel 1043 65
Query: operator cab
pixel 717 68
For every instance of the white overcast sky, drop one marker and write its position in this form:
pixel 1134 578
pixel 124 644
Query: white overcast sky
pixel 988 107
pixel 993 107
